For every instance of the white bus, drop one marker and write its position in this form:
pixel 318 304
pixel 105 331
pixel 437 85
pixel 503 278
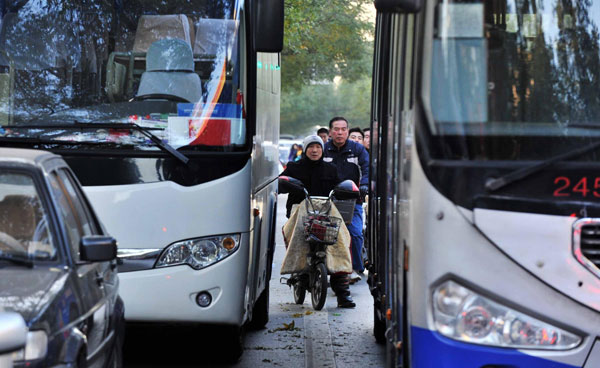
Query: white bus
pixel 168 113
pixel 484 211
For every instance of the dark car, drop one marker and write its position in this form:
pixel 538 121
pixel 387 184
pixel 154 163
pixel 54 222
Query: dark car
pixel 57 265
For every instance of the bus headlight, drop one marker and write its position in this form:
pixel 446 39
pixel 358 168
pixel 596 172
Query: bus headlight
pixel 464 315
pixel 199 253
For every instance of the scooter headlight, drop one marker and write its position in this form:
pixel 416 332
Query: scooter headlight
pixel 464 315
pixel 199 253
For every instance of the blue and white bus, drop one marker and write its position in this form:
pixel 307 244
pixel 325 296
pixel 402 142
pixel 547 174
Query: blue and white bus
pixel 484 212
pixel 168 113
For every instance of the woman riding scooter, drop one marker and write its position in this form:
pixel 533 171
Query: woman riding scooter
pixel 319 179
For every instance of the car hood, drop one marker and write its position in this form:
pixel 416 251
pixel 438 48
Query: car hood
pixel 27 290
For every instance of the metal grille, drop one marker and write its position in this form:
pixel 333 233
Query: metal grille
pixel 590 242
pixel 586 243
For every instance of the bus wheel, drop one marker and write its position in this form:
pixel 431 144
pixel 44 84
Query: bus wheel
pixel 260 313
pixel 378 326
pixel 232 343
pixel 319 289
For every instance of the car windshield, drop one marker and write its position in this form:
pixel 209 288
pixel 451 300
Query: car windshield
pixel 170 66
pixel 515 79
pixel 24 228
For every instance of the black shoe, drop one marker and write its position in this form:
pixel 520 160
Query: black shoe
pixel 345 302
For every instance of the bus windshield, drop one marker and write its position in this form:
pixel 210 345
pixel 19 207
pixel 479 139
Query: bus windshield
pixel 171 67
pixel 526 72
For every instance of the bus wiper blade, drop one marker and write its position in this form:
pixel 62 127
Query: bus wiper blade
pixel 17 260
pixel 145 131
pixel 162 145
pixel 495 184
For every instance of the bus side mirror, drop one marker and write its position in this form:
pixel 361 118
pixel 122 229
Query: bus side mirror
pixel 398 6
pixel 288 184
pixel 268 26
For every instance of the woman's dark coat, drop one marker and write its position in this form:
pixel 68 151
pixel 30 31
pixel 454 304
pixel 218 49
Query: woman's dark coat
pixel 318 177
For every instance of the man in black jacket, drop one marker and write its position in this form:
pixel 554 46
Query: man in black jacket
pixel 352 162
pixel 319 179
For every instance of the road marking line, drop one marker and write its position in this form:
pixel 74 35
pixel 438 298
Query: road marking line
pixel 318 347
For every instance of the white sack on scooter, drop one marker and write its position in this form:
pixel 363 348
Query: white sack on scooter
pixel 338 254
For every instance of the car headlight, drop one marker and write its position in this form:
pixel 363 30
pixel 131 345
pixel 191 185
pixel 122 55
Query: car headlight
pixel 464 315
pixel 35 348
pixel 199 253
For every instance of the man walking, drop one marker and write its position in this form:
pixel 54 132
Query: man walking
pixel 352 162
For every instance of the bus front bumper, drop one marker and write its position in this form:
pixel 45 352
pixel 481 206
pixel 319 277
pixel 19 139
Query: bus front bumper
pixel 169 294
pixel 430 349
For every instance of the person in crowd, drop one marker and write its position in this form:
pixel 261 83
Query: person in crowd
pixel 319 178
pixel 356 135
pixel 352 162
pixel 298 153
pixel 324 134
pixel 293 152
pixel 367 139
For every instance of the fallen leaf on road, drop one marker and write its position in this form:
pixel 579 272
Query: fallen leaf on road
pixel 289 326
pixel 286 327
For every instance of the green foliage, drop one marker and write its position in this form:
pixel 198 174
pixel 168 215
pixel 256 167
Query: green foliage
pixel 325 39
pixel 316 104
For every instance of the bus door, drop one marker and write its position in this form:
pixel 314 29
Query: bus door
pixel 391 146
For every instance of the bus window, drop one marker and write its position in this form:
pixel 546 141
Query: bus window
pixel 515 68
pixel 171 67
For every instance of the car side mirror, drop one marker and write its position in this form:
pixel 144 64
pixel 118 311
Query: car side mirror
pixel 268 32
pixel 346 190
pixel 288 184
pixel 13 333
pixel 397 6
pixel 97 248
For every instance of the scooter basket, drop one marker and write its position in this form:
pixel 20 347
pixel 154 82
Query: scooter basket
pixel 346 208
pixel 321 227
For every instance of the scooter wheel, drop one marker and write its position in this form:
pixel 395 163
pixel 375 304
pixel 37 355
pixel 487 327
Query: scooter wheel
pixel 319 288
pixel 299 293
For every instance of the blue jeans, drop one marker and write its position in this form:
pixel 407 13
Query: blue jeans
pixel 356 233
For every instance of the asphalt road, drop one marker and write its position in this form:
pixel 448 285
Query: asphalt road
pixel 295 337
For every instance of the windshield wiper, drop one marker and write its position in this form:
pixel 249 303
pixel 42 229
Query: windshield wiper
pixel 145 131
pixel 495 184
pixel 17 260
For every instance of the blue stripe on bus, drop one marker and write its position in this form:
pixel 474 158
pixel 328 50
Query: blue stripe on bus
pixel 431 350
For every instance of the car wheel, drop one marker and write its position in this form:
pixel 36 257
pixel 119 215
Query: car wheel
pixel 116 355
pixel 81 359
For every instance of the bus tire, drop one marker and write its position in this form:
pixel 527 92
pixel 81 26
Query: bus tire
pixel 231 344
pixel 378 327
pixel 260 313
